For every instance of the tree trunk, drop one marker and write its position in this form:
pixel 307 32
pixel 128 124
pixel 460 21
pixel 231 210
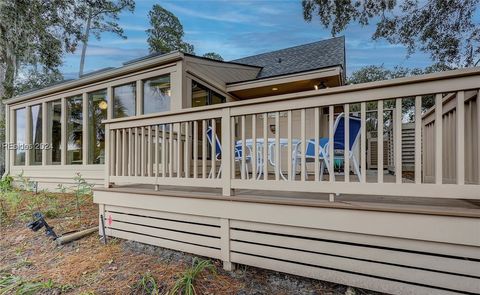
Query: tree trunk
pixel 2 80
pixel 85 43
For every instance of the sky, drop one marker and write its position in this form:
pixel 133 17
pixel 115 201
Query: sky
pixel 235 29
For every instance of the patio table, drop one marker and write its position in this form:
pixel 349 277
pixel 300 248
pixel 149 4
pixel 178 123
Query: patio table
pixel 271 151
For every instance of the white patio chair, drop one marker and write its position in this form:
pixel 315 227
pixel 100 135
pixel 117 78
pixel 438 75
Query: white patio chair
pixel 339 144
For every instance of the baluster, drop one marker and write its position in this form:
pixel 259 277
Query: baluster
pixel 187 157
pixel 398 140
pixel 149 150
pixel 346 148
pixel 204 148
pixel 113 149
pixel 254 146
pixel 363 141
pixel 243 172
pixel 331 155
pixel 316 121
pixel 460 137
pixel 438 138
pixel 118 153
pixel 137 152
pixel 142 152
pixel 156 151
pixel 179 149
pixel 380 141
pixel 265 146
pixel 214 148
pixel 164 151
pixel 418 139
pixel 303 139
pixel 233 145
pixel 277 146
pixel 290 160
pixel 171 156
pixel 195 149
pixel 130 152
pixel 124 153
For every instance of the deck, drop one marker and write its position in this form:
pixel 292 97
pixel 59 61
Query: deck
pixel 400 245
pixel 399 204
pixel 321 204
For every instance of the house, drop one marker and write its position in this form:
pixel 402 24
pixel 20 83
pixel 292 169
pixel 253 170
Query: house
pixel 262 161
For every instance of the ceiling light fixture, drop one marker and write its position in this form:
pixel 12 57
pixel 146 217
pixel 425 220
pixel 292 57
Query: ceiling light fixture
pixel 103 105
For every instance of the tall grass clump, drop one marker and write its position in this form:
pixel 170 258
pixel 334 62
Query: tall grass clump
pixel 185 285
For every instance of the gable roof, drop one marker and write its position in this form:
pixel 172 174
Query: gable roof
pixel 316 55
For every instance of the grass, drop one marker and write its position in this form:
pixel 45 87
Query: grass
pixel 186 283
pixel 19 202
pixel 10 283
pixel 147 285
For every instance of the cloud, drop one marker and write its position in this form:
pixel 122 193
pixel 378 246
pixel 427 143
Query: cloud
pixel 139 41
pixel 225 16
pixel 133 27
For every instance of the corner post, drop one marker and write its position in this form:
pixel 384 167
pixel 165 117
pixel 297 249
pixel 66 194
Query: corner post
pixel 226 153
pixel 107 156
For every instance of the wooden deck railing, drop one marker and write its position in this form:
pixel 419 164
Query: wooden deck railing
pixel 260 139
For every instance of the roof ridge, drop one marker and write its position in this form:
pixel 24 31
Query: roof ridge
pixel 292 47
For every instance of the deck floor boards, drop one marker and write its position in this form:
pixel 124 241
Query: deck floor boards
pixel 433 206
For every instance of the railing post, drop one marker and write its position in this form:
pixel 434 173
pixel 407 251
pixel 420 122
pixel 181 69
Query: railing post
pixel 226 153
pixel 107 156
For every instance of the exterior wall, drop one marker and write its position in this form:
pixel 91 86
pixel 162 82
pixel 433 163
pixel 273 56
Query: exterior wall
pixel 367 249
pixel 49 176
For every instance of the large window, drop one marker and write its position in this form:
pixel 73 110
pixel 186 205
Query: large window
pixel 54 132
pixel 202 95
pixel 74 130
pixel 124 100
pixel 20 124
pixel 97 111
pixel 36 135
pixel 156 94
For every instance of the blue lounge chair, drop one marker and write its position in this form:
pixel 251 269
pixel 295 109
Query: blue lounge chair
pixel 238 153
pixel 339 144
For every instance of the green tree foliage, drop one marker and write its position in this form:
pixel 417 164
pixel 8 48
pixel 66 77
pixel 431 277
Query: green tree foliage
pixel 213 55
pixel 36 78
pixel 379 73
pixel 443 28
pixel 34 33
pixel 167 33
pixel 100 16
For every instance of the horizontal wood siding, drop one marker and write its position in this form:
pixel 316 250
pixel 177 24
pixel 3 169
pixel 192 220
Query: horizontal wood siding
pixel 321 243
pixel 194 234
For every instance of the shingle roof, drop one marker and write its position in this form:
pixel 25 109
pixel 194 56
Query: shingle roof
pixel 317 55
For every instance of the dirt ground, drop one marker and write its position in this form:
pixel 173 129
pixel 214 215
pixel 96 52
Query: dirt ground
pixel 31 263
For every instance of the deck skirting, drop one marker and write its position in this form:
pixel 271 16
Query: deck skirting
pixel 398 253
